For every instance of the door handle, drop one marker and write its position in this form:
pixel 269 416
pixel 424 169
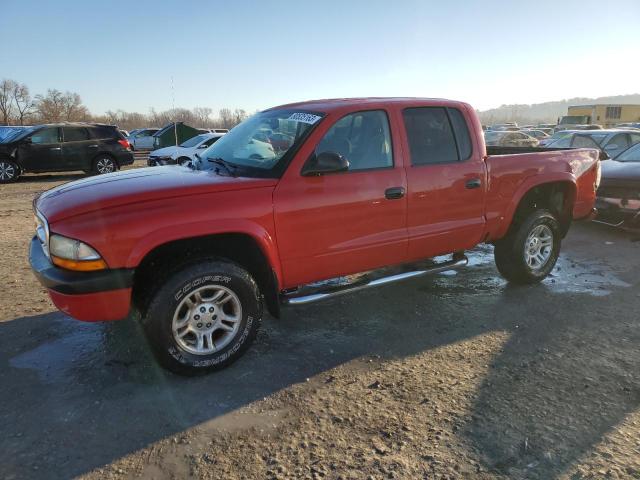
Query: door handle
pixel 55 148
pixel 473 183
pixel 394 193
pixel 93 146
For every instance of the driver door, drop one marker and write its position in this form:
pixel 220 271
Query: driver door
pixel 42 151
pixel 349 221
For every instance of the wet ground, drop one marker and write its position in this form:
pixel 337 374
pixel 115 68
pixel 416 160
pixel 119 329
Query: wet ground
pixel 458 375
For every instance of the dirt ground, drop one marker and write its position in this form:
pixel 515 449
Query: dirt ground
pixel 457 375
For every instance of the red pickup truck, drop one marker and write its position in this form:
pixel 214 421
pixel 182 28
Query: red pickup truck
pixel 365 190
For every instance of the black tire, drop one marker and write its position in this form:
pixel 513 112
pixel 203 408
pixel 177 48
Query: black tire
pixel 9 171
pixel 511 251
pixel 183 160
pixel 168 301
pixel 104 164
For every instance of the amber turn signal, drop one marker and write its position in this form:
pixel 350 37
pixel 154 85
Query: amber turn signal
pixel 79 266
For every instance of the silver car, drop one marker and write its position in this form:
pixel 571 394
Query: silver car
pixel 612 141
pixel 142 139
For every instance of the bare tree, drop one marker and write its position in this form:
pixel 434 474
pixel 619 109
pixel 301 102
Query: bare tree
pixel 23 102
pixel 50 107
pixel 226 117
pixel 201 116
pixel 6 99
pixel 239 115
pixel 56 106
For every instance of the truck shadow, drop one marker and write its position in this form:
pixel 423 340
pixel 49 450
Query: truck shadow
pixel 78 396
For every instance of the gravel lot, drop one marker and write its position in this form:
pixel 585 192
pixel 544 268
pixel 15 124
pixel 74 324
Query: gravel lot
pixel 450 376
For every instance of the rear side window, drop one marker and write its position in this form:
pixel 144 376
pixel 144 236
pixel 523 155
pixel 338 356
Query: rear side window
pixel 75 134
pixel 430 136
pixel 461 132
pixel 105 132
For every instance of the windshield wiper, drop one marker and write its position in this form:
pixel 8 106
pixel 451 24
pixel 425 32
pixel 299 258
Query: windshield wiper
pixel 231 169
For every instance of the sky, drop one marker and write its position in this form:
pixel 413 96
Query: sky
pixel 257 54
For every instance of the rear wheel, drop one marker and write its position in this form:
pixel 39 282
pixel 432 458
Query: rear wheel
pixel 203 317
pixel 104 164
pixel 9 171
pixel 531 248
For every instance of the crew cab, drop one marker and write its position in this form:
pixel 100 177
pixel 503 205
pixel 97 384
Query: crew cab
pixel 368 192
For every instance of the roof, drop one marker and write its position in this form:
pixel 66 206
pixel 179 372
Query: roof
pixel 606 105
pixel 331 104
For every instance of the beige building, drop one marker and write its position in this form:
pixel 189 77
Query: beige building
pixel 606 115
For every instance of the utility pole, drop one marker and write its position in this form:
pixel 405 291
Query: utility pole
pixel 173 107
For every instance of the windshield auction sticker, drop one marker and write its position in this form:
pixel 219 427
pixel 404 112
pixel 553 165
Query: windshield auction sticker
pixel 304 117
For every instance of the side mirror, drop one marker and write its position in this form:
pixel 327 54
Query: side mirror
pixel 27 141
pixel 325 162
pixel 202 146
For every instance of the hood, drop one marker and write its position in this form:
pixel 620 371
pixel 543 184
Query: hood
pixel 614 170
pixel 166 151
pixel 139 185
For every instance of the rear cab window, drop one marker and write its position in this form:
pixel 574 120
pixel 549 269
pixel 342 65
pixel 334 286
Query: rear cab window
pixel 436 135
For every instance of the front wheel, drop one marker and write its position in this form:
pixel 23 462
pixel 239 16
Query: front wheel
pixel 531 248
pixel 203 317
pixel 104 164
pixel 9 171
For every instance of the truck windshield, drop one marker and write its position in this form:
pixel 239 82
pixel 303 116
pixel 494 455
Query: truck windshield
pixel 260 145
pixel 574 120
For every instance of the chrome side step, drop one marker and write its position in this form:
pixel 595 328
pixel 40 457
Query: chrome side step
pixel 292 299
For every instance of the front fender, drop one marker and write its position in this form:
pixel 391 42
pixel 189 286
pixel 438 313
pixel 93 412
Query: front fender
pixel 185 231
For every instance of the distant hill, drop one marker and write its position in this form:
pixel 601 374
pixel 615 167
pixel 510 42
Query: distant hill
pixel 547 112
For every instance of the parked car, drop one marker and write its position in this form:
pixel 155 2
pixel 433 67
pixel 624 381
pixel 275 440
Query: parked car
pixel 63 147
pixel 512 126
pixel 124 133
pixel 142 139
pixel 628 125
pixel 618 200
pixel 538 134
pixel 555 136
pixel 612 141
pixel 183 153
pixel 504 138
pixel 369 185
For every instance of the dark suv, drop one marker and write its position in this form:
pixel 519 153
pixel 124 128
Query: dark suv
pixel 63 147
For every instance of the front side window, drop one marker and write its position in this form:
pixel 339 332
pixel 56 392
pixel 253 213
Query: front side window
pixel 45 136
pixel 363 138
pixel 75 134
pixel 430 136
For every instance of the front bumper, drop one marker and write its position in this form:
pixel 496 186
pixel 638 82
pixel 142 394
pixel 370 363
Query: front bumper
pixel 87 296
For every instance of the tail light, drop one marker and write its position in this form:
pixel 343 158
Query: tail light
pixel 124 143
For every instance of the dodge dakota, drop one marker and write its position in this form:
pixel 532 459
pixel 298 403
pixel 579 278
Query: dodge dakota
pixel 363 193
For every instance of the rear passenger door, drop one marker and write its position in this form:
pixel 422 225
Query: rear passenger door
pixel 78 148
pixel 446 182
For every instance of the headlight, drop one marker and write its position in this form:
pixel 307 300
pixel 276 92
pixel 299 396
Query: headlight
pixel 74 255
